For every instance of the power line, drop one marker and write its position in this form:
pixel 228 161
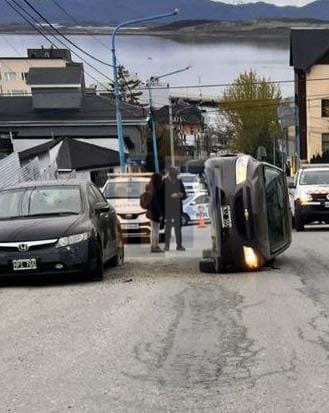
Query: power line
pixel 215 85
pixel 63 35
pixel 35 27
pixel 78 23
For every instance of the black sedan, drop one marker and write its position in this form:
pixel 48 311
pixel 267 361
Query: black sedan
pixel 58 227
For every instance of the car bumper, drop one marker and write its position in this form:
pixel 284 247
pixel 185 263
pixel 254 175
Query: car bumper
pixel 52 260
pixel 312 212
pixel 134 228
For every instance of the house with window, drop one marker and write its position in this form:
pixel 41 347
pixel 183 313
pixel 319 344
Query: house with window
pixel 13 70
pixel 309 56
pixel 61 107
pixel 188 123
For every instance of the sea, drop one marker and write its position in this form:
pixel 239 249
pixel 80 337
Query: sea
pixel 212 63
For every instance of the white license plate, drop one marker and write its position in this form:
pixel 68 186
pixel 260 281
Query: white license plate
pixel 226 216
pixel 130 226
pixel 326 204
pixel 24 265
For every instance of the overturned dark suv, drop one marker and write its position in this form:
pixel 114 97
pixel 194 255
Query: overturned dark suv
pixel 250 213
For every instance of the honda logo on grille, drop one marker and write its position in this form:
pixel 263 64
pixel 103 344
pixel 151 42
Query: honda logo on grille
pixel 23 247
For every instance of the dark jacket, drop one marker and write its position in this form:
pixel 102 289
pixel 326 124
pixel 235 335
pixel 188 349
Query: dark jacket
pixel 172 207
pixel 155 209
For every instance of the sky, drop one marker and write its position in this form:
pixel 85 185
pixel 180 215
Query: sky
pixel 277 2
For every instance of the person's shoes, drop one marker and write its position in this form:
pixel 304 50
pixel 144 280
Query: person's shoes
pixel 181 248
pixel 157 249
pixel 166 248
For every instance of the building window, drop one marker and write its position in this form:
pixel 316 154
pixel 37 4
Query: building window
pixel 325 108
pixel 23 75
pixel 10 76
pixel 325 142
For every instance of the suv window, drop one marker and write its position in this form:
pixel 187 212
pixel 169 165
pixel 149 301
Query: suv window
pixel 277 213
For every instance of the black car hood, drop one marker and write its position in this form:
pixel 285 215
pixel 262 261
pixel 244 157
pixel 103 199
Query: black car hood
pixel 36 229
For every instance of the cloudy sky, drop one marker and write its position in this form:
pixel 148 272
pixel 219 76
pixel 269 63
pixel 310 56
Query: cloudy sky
pixel 277 2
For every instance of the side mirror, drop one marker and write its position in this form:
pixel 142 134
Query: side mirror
pixel 102 207
pixel 291 185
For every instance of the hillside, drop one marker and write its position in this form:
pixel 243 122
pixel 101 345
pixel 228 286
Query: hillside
pixel 114 11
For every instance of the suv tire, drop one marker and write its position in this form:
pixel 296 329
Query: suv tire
pixel 299 223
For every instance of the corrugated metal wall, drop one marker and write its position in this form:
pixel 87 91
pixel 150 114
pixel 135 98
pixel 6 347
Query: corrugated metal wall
pixel 10 170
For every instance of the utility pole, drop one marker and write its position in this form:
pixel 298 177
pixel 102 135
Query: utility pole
pixel 116 81
pixel 153 127
pixel 171 130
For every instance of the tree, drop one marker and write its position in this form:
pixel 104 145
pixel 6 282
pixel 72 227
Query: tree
pixel 128 86
pixel 163 142
pixel 250 109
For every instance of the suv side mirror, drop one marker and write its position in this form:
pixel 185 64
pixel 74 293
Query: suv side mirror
pixel 102 207
pixel 291 185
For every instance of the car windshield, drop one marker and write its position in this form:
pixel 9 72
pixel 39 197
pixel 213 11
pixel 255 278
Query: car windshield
pixel 45 201
pixel 314 178
pixel 189 179
pixel 124 190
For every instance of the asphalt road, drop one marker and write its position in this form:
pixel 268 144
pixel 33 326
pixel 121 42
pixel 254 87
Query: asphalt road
pixel 158 336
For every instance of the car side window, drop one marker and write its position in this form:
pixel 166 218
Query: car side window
pixel 202 199
pixel 99 196
pixel 91 198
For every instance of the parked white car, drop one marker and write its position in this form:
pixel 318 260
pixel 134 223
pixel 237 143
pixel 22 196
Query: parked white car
pixel 195 205
pixel 123 192
pixel 192 183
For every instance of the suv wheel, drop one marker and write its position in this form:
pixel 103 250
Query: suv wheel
pixel 299 223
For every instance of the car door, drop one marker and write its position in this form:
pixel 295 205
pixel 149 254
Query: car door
pixel 109 220
pixel 201 206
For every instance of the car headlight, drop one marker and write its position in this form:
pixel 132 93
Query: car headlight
pixel 73 239
pixel 305 198
pixel 241 169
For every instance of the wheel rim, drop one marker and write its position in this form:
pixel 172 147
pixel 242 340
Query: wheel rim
pixel 121 256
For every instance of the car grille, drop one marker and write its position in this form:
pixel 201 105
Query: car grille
pixel 130 216
pixel 32 246
pixel 319 197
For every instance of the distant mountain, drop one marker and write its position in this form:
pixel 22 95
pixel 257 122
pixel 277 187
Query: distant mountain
pixel 114 11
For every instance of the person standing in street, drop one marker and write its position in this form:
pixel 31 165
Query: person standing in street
pixel 155 210
pixel 173 193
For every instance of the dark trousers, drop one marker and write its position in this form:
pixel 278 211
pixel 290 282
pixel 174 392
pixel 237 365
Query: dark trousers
pixel 176 222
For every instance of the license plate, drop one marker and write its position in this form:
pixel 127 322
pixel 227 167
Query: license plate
pixel 226 216
pixel 326 204
pixel 25 265
pixel 130 226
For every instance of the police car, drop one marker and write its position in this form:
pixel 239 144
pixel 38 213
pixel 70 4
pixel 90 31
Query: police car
pixel 194 207
pixel 123 192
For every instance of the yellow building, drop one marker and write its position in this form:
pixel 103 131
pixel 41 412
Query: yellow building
pixel 13 70
pixel 309 55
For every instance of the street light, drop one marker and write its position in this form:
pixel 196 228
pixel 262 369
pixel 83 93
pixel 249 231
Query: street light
pixel 115 78
pixel 151 83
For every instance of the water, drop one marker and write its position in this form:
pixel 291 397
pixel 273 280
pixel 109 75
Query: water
pixel 211 61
